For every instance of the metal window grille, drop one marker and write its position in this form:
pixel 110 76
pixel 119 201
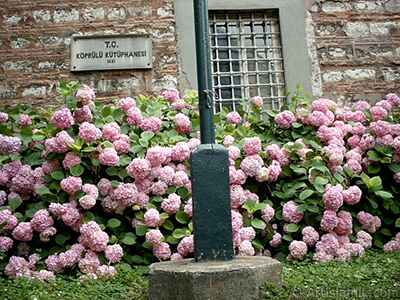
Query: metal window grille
pixel 247 58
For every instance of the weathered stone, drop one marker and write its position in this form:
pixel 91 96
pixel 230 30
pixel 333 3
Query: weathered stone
pixel 337 52
pixel 381 28
pixel 90 14
pixel 19 42
pixel 7 90
pixel 63 16
pixel 142 11
pixel 393 6
pixel 391 74
pixel 50 40
pixel 46 65
pixel 42 16
pixel 368 6
pixel 333 76
pixel 356 29
pixel 239 278
pixel 13 20
pixel 398 51
pixel 360 74
pixel 17 65
pixel 335 7
pixel 164 82
pixel 165 11
pixel 117 13
pixel 34 90
pixel 381 52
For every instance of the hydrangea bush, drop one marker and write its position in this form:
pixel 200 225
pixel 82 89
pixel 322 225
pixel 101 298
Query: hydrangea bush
pixel 92 184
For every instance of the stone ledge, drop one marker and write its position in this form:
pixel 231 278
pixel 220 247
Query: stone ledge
pixel 239 278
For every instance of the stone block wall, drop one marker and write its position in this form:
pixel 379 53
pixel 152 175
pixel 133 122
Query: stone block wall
pixel 357 48
pixel 35 39
pixel 354 47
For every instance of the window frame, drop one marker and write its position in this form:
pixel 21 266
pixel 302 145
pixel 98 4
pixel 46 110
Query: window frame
pixel 292 15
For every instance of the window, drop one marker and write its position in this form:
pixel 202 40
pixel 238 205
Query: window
pixel 258 48
pixel 246 56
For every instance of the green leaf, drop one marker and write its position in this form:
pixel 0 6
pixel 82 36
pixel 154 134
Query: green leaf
pixel 113 223
pixel 113 239
pixel 95 162
pixel 249 205
pixel 168 225
pixel 373 155
pixel 373 168
pixel 313 209
pixel 384 194
pixel 88 149
pixel 305 194
pixel 43 190
pixel 258 224
pixel 179 233
pixel 398 222
pixel 299 185
pixel 257 244
pixel 302 207
pixel 129 239
pixel 386 232
pixel 141 230
pixel 62 237
pixel 386 160
pixel 321 180
pixel 147 135
pixel 14 203
pixel 292 227
pixel 375 181
pixel 182 217
pixel 57 174
pixel 394 168
pixel 76 170
pixel 87 217
pixel 287 237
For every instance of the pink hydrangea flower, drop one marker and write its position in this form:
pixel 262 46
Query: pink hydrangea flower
pixel 329 220
pixel 24 121
pixel 154 236
pixel 290 213
pixel 378 113
pixel 186 245
pixel 3 117
pixel 9 144
pixel 298 249
pixel 238 197
pixel 152 218
pixel 172 204
pixel 62 118
pixel 246 249
pixel 108 157
pixel 276 240
pixel 182 123
pixel 139 168
pixel 274 170
pixel 152 124
pixel 391 246
pixel 252 145
pixel 71 159
pixel 111 131
pixel 89 132
pixel 250 165
pixel 87 201
pixel 106 271
pixel 352 195
pixel 285 119
pixel 310 236
pixel 134 116
pixel 258 102
pixel 364 239
pixel 344 224
pixel 83 114
pixel 267 213
pixel 162 251
pixel 333 197
pixel 189 207
pixel 234 118
pixel 23 232
pixel 171 94
pixel 126 103
pixel 89 263
pixel 71 185
pixel 6 243
pixel 86 95
pixel 41 220
pixel 393 99
pixel 180 152
pixel 368 221
pixel 114 253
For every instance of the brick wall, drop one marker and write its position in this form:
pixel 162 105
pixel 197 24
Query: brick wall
pixel 354 47
pixel 35 46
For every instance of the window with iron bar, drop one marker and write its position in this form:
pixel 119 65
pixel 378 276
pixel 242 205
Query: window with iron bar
pixel 247 61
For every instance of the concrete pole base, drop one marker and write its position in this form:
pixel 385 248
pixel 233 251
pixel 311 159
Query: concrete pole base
pixel 239 278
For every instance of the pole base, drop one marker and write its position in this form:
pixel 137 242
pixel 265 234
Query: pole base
pixel 239 278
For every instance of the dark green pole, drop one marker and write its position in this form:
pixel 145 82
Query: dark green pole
pixel 204 79
pixel 209 162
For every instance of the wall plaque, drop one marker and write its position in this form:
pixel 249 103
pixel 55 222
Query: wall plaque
pixel 111 52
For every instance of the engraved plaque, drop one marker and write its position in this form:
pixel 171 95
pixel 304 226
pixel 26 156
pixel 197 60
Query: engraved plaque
pixel 111 52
